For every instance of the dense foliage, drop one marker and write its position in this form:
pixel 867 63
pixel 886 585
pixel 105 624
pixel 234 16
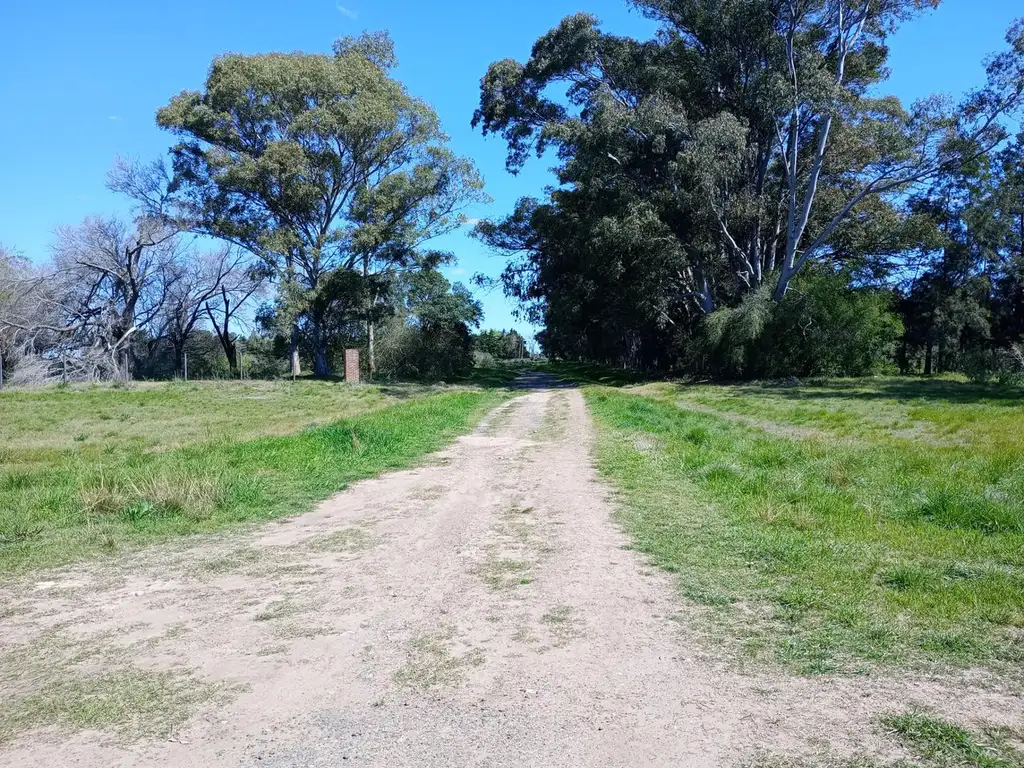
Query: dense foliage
pixel 322 177
pixel 737 197
pixel 501 345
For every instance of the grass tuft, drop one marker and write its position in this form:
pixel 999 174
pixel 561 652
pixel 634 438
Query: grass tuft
pixel 945 744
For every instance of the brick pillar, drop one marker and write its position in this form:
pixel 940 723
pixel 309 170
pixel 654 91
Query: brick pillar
pixel 352 366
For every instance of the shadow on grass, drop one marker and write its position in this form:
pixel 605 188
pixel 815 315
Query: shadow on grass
pixel 593 374
pixel 903 389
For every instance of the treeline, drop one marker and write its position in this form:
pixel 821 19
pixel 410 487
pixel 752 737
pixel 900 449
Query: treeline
pixel 292 219
pixel 737 198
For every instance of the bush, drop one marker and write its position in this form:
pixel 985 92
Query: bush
pixel 822 328
pixel 262 359
pixel 405 351
pixel 1011 371
pixel 1005 366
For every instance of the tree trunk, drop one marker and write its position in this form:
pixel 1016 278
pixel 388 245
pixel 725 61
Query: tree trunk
pixel 320 364
pixel 782 286
pixel 293 351
pixel 231 353
pixel 371 346
pixel 371 349
pixel 179 359
pixel 928 358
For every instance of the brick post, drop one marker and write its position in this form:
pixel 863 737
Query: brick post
pixel 352 366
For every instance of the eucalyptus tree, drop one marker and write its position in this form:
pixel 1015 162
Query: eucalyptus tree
pixel 316 163
pixel 750 127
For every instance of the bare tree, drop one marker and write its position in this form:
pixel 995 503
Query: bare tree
pixel 221 285
pixel 110 280
pixel 199 280
pixel 237 288
pixel 31 328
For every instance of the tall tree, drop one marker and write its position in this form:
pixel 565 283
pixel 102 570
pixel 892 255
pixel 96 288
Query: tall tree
pixel 112 281
pixel 750 128
pixel 199 279
pixel 316 164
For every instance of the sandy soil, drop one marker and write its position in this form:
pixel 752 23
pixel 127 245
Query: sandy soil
pixel 483 610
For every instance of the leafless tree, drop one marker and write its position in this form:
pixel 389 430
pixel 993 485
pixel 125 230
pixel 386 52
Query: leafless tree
pixel 110 280
pixel 202 279
pixel 30 325
pixel 221 286
pixel 237 289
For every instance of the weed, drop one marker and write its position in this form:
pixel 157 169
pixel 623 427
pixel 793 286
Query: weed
pixel 272 650
pixel 504 573
pixel 279 609
pixel 946 744
pixel 131 703
pixel 352 539
pixel 431 662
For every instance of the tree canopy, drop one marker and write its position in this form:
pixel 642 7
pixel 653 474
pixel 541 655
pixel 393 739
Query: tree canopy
pixel 747 143
pixel 319 164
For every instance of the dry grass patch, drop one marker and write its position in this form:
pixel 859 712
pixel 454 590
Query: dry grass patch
pixel 129 703
pixel 501 574
pixel 555 420
pixel 347 540
pixel 564 623
pixel 61 680
pixel 431 661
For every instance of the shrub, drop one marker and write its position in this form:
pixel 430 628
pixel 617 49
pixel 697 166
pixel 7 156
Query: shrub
pixel 423 352
pixel 822 328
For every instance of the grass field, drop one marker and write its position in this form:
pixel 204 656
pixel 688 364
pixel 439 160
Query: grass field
pixel 833 528
pixel 90 471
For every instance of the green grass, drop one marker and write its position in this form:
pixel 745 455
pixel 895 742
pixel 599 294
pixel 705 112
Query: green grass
pixel 194 458
pixel 943 744
pixel 40 427
pixel 852 543
pixel 935 743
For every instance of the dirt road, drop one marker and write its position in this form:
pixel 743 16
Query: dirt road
pixel 483 610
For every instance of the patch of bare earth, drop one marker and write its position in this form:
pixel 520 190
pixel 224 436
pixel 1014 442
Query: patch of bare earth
pixel 483 610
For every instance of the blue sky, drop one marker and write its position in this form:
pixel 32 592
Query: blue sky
pixel 80 83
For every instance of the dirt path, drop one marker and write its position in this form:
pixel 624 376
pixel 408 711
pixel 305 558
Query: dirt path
pixel 480 611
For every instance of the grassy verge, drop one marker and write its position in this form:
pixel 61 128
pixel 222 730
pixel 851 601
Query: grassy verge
pixel 934 743
pixel 60 504
pixel 41 427
pixel 946 745
pixel 821 551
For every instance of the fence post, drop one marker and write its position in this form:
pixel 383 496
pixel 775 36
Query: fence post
pixel 186 366
pixel 1 370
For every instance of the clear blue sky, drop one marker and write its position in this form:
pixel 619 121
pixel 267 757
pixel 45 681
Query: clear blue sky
pixel 80 83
